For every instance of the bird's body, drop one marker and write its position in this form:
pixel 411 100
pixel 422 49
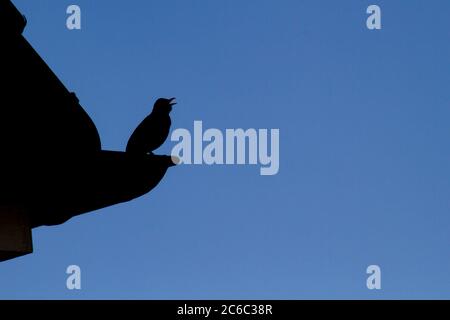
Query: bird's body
pixel 153 130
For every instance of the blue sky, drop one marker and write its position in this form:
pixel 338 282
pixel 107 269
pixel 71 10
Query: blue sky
pixel 364 156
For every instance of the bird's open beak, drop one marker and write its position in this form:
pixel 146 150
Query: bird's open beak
pixel 172 102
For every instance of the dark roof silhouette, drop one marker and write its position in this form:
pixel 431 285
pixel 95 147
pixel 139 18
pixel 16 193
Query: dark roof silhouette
pixel 52 166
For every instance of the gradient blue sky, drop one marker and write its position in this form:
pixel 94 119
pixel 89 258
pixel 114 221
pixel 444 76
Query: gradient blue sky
pixel 364 150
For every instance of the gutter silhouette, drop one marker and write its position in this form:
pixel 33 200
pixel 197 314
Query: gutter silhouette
pixel 52 165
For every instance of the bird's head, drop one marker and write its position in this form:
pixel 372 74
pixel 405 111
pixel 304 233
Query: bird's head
pixel 164 105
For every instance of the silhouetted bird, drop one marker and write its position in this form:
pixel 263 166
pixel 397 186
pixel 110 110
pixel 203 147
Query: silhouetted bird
pixel 153 130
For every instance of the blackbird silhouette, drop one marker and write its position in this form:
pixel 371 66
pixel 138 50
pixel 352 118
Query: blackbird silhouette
pixel 151 133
